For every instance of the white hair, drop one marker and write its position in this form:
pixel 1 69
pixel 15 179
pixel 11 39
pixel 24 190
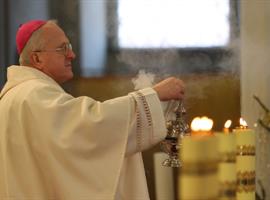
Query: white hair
pixel 35 43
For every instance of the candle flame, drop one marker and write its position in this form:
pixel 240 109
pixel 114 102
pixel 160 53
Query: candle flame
pixel 201 124
pixel 228 123
pixel 195 124
pixel 243 123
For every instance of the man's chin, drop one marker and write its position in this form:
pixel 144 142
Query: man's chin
pixel 67 78
pixel 70 77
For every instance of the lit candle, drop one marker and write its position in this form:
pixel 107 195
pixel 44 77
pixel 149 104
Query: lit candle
pixel 245 161
pixel 198 177
pixel 227 164
pixel 243 124
pixel 201 126
pixel 227 125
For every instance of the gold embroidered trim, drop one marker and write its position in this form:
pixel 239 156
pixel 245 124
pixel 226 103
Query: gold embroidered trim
pixel 199 168
pixel 147 113
pixel 228 157
pixel 246 150
pixel 228 190
pixel 246 181
pixel 138 129
pixel 209 198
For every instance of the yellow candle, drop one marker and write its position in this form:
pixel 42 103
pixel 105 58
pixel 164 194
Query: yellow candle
pixel 227 165
pixel 245 162
pixel 198 177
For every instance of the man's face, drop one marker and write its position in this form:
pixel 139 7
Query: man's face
pixel 56 63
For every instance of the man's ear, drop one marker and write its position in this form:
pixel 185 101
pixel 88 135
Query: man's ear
pixel 35 60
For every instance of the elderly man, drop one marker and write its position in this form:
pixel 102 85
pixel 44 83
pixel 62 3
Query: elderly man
pixel 54 146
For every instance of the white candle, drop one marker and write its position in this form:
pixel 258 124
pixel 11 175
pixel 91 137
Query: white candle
pixel 164 187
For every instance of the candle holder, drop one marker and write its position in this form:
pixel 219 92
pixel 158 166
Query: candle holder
pixel 176 130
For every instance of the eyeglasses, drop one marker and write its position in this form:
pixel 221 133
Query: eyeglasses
pixel 64 49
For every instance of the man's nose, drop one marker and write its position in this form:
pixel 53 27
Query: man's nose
pixel 71 55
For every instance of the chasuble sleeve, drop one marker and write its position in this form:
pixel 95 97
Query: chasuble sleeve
pixel 148 123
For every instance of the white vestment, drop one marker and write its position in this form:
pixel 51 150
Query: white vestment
pixel 57 147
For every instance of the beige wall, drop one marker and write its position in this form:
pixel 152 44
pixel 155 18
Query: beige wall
pixel 255 56
pixel 255 78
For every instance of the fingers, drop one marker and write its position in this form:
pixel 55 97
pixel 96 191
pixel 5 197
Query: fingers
pixel 177 88
pixel 170 89
pixel 181 96
pixel 181 89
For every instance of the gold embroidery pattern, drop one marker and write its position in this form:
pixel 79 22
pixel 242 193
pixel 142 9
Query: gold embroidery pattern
pixel 246 181
pixel 228 157
pixel 228 190
pixel 138 129
pixel 209 198
pixel 199 168
pixel 147 112
pixel 246 150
